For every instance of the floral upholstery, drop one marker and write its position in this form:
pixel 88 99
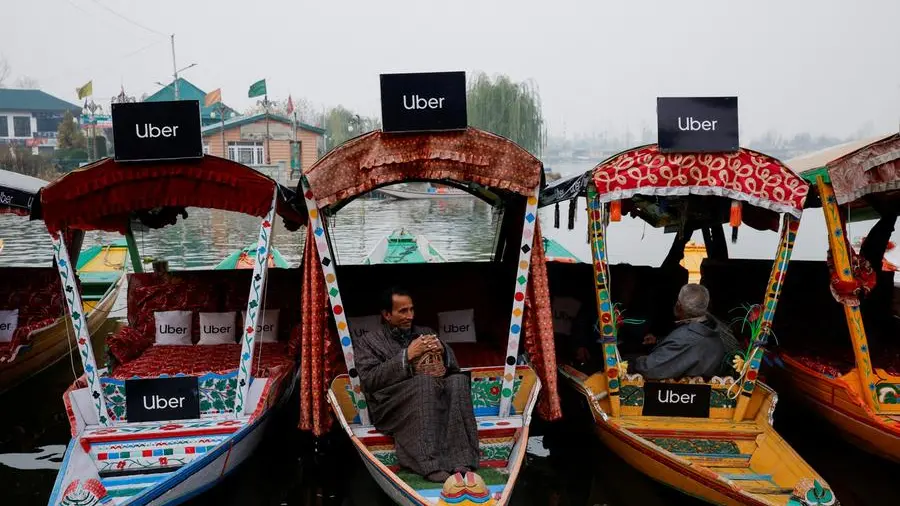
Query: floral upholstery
pixel 201 291
pixel 196 361
pixel 36 293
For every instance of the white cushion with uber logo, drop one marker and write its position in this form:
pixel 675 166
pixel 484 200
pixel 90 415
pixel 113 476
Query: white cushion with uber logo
pixel 9 322
pixel 363 325
pixel 266 325
pixel 565 309
pixel 217 328
pixel 173 327
pixel 457 326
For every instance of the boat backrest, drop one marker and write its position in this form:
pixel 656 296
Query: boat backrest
pixel 202 291
pixel 485 287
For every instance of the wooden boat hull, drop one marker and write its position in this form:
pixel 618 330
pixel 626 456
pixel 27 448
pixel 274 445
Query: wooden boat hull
pixel 50 345
pixel 220 459
pixel 404 494
pixel 838 401
pixel 656 447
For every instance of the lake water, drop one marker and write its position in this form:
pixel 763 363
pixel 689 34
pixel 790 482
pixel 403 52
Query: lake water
pixel 566 464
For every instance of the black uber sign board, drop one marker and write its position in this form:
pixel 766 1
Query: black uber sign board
pixel 162 399
pixel 697 125
pixel 423 102
pixel 157 130
pixel 673 399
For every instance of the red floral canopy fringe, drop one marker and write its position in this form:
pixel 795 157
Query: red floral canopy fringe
pixel 321 358
pixel 746 175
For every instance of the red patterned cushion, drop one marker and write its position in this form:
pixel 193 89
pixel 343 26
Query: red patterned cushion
pixel 477 355
pixel 199 360
pixel 36 293
pixel 201 291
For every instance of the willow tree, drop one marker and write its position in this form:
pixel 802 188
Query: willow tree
pixel 507 108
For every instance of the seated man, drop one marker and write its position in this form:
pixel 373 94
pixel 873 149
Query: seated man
pixel 695 348
pixel 430 418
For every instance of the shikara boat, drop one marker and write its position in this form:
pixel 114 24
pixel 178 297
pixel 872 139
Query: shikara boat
pixel 41 337
pixel 719 446
pixel 841 353
pixel 504 390
pixel 402 247
pixel 132 443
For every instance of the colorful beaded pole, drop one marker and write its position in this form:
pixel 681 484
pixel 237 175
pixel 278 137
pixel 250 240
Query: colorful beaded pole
pixel 838 245
pixel 773 291
pixel 326 259
pixel 251 319
pixel 597 230
pixel 79 323
pixel 515 324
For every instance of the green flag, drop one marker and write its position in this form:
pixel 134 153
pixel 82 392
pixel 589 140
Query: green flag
pixel 258 88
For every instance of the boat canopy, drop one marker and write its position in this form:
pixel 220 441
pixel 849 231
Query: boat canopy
pixel 472 160
pixel 17 192
pixel 861 173
pixel 106 194
pixel 747 176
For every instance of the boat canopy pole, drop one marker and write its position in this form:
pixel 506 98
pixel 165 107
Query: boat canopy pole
pixel 79 323
pixel 133 252
pixel 750 370
pixel 326 259
pixel 605 308
pixel 838 246
pixel 251 318
pixel 521 290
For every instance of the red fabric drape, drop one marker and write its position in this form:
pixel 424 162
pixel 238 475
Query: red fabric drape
pixel 318 357
pixel 538 323
pixel 102 195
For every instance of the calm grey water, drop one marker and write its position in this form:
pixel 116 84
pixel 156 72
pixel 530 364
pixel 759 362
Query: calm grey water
pixel 577 470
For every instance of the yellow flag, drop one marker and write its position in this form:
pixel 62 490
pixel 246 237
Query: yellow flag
pixel 86 90
pixel 213 97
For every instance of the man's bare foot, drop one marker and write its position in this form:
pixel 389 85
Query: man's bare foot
pixel 438 476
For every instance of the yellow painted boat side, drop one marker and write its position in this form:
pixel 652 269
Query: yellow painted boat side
pixel 110 259
pixel 765 470
pixel 839 402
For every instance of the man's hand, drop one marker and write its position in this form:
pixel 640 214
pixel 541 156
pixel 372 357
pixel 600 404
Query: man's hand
pixel 417 348
pixel 434 344
pixel 649 339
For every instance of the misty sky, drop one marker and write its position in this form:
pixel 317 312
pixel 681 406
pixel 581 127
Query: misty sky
pixel 823 66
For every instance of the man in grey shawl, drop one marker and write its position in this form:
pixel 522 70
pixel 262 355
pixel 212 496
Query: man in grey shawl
pixel 430 418
pixel 697 346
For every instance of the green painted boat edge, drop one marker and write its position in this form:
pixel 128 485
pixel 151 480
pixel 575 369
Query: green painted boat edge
pixel 397 240
pixel 94 285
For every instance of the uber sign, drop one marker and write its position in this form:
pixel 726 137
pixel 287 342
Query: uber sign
pixel 423 102
pixel 161 399
pixel 157 130
pixel 673 399
pixel 697 125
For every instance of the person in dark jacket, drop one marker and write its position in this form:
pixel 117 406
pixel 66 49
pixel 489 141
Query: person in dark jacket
pixel 694 348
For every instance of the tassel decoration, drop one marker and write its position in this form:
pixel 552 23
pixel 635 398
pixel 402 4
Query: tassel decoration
pixel 735 219
pixel 556 215
pixel 572 209
pixel 615 210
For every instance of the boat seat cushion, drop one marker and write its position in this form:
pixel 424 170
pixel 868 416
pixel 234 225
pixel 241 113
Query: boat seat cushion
pixel 200 360
pixel 202 291
pixel 36 293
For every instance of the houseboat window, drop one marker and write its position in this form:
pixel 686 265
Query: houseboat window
pixel 248 153
pixel 22 126
pixel 4 127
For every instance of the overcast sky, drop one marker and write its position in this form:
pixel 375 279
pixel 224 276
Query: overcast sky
pixel 823 66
